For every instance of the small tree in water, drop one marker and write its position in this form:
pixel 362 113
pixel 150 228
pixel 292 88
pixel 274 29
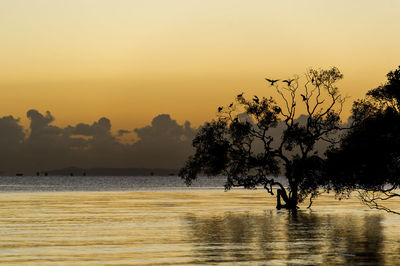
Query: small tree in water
pixel 240 142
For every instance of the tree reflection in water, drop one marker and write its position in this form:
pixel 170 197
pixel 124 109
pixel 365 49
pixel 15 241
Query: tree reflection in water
pixel 280 238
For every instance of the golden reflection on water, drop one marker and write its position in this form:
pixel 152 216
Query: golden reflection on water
pixel 190 227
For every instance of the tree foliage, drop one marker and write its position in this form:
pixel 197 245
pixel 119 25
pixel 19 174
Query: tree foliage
pixel 368 157
pixel 240 143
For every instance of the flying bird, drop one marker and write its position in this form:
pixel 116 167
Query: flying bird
pixel 288 81
pixel 255 99
pixel 220 109
pixel 304 97
pixel 272 81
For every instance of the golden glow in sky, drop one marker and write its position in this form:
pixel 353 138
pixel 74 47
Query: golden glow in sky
pixel 132 60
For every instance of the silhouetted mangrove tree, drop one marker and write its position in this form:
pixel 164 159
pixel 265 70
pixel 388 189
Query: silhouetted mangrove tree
pixel 240 144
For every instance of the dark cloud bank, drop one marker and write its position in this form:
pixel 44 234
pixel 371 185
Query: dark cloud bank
pixel 163 144
pixel 44 147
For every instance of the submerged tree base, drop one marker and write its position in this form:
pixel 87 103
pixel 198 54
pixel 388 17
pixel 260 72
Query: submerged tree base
pixel 289 204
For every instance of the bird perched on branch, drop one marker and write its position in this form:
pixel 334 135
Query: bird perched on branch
pixel 220 109
pixel 272 81
pixel 240 95
pixel 304 97
pixel 255 99
pixel 288 81
pixel 230 105
pixel 277 109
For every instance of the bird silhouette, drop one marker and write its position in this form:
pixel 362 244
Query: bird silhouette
pixel 272 81
pixel 304 97
pixel 220 109
pixel 255 99
pixel 230 105
pixel 288 81
pixel 240 95
pixel 312 80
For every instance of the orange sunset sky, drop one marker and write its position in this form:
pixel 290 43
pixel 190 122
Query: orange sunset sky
pixel 132 60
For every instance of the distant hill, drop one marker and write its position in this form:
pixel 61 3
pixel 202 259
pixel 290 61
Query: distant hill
pixel 113 171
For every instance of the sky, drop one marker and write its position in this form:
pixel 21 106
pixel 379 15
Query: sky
pixel 118 83
pixel 130 61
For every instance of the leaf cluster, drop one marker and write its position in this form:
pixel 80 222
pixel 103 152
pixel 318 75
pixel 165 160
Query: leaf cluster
pixel 368 157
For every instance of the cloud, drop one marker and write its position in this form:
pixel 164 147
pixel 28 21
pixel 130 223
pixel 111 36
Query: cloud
pixel 40 123
pixel 100 128
pixel 163 143
pixel 122 132
pixel 11 133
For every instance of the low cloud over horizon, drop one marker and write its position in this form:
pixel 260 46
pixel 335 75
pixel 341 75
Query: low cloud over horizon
pixel 43 147
pixel 162 144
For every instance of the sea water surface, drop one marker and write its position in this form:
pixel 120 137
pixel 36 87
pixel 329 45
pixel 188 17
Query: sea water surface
pixel 158 221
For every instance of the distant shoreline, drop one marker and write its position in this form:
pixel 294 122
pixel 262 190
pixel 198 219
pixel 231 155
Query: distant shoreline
pixel 76 171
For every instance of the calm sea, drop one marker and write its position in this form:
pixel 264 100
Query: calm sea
pixel 158 221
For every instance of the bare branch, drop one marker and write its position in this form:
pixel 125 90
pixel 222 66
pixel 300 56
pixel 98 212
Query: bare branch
pixel 372 198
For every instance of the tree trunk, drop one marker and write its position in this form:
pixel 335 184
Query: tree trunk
pixel 289 203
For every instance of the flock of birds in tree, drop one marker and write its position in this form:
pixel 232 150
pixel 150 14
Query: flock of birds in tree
pixel 256 99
